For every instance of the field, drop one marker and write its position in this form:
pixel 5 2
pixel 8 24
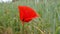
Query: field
pixel 47 23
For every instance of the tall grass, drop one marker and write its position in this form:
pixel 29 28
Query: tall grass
pixel 47 23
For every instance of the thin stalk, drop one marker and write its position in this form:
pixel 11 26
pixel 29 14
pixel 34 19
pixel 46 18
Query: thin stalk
pixel 38 29
pixel 23 28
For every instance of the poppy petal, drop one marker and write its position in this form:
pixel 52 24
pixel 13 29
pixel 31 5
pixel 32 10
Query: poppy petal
pixel 27 13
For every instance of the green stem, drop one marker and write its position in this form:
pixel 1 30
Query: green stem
pixel 23 29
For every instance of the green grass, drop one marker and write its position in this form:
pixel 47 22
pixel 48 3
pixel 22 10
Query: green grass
pixel 47 23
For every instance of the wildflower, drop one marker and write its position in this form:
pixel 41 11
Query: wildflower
pixel 26 14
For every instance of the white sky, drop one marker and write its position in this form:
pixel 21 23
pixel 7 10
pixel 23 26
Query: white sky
pixel 5 0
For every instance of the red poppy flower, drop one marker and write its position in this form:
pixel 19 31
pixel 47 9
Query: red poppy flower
pixel 26 13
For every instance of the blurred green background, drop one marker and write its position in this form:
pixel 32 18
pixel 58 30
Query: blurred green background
pixel 48 23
